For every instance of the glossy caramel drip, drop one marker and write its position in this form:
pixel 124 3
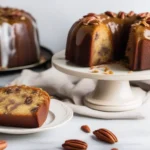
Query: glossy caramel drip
pixel 19 43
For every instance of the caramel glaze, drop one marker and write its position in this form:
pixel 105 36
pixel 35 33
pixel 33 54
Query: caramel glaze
pixel 82 33
pixel 23 46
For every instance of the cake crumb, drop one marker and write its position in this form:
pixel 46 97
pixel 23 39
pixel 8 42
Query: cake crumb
pixel 111 72
pixel 106 69
pixel 130 71
pixel 108 72
pixel 95 71
pixel 23 18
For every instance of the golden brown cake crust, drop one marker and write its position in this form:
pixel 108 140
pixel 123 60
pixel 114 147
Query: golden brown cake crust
pixel 23 106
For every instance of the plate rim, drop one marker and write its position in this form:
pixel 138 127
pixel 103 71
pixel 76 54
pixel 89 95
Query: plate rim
pixel 15 131
pixel 42 48
pixel 61 64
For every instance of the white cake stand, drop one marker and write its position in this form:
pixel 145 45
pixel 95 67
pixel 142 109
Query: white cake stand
pixel 113 91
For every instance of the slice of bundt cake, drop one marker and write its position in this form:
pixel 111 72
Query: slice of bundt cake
pixel 23 106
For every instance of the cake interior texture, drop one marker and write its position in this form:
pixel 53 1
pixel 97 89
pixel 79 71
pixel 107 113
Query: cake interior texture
pixel 103 38
pixel 23 106
pixel 19 40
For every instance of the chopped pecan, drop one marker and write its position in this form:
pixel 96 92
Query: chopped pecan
pixel 130 14
pixel 88 19
pixel 89 15
pixel 142 15
pixel 111 14
pixel 94 22
pixel 148 20
pixel 121 14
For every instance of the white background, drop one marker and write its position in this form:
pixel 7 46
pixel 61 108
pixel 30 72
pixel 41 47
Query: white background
pixel 55 17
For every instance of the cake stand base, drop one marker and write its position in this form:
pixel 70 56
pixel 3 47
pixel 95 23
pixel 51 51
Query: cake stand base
pixel 113 91
pixel 113 96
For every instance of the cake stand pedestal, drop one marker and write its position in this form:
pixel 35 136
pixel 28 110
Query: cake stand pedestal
pixel 113 92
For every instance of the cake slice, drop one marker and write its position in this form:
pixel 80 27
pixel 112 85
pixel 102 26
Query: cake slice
pixel 23 106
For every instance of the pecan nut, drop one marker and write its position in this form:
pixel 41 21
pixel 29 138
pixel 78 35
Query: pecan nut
pixel 3 144
pixel 111 14
pixel 105 135
pixel 148 20
pixel 94 22
pixel 143 15
pixel 89 15
pixel 74 145
pixel 121 14
pixel 87 20
pixel 130 14
pixel 86 128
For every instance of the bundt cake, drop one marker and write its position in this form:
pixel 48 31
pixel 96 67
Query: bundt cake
pixel 23 106
pixel 19 42
pixel 109 37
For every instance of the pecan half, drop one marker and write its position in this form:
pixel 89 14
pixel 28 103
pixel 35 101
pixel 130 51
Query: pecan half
pixel 111 14
pixel 74 145
pixel 3 144
pixel 142 15
pixel 89 15
pixel 94 22
pixel 86 128
pixel 121 14
pixel 86 20
pixel 105 135
pixel 130 14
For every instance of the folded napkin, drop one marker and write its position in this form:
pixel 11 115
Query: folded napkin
pixel 72 90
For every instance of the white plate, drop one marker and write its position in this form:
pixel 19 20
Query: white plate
pixel 58 115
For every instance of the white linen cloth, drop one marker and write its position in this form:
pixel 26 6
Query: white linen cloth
pixel 71 90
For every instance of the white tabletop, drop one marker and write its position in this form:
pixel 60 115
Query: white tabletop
pixel 132 134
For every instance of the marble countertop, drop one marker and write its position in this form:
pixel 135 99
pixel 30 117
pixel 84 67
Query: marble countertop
pixel 132 134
